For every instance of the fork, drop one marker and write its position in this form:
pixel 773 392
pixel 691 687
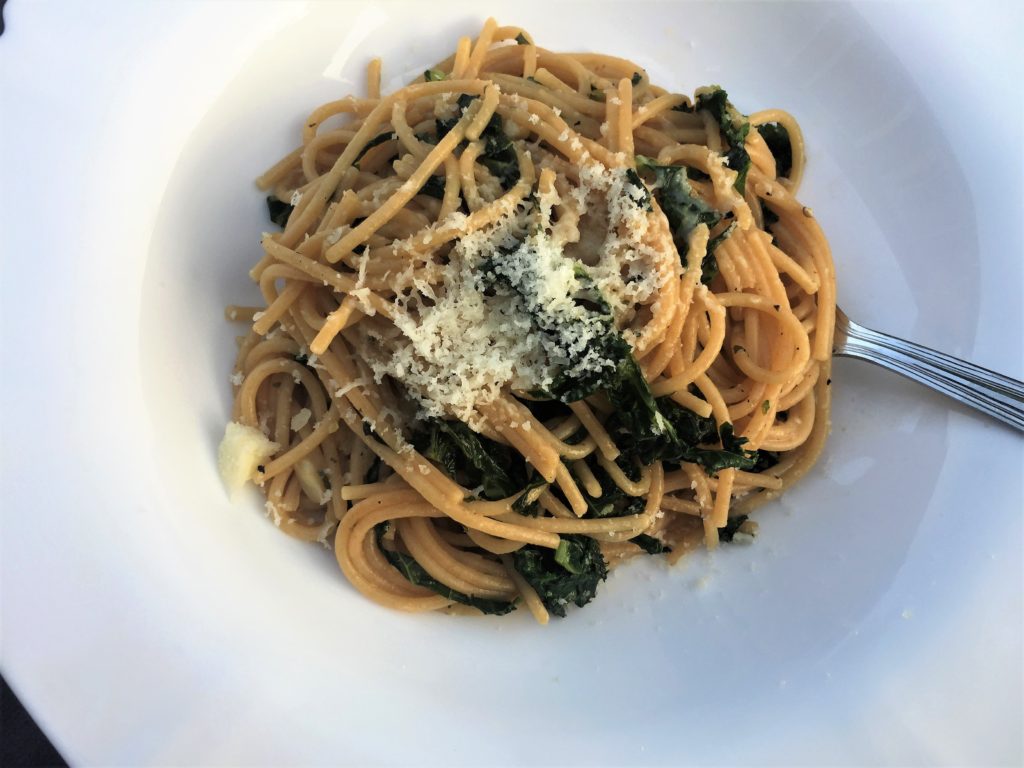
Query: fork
pixel 987 391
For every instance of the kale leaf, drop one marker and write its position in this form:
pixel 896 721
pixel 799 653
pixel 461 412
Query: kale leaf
pixel 619 375
pixel 730 456
pixel 498 155
pixel 434 75
pixel 434 187
pixel 634 179
pixel 472 459
pixel 568 574
pixel 416 574
pixel 765 461
pixel 613 501
pixel 732 526
pixel 684 210
pixel 689 440
pixel 777 138
pixel 651 545
pixel 735 129
pixel 523 505
pixel 380 138
pixel 279 211
pixel 443 126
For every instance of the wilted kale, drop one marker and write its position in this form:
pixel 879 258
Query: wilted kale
pixel 568 574
pixel 416 574
pixel 734 126
pixel 634 179
pixel 684 210
pixel 651 545
pixel 380 138
pixel 613 501
pixel 765 461
pixel 497 156
pixel 434 187
pixel 620 378
pixel 732 526
pixel 279 211
pixel 472 459
pixel 433 75
pixel 691 439
pixel 443 126
pixel 777 138
pixel 522 504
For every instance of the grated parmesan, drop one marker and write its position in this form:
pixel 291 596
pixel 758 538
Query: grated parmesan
pixel 463 342
pixel 301 419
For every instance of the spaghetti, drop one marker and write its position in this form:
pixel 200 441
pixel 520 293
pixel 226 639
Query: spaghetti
pixel 529 316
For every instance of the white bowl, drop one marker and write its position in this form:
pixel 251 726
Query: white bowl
pixel 146 620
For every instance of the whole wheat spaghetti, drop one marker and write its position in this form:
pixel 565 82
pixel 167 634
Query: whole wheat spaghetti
pixel 529 316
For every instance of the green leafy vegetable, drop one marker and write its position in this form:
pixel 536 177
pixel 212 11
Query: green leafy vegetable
pixel 416 574
pixel 434 187
pixel 765 460
pixel 472 459
pixel 730 456
pixel 651 545
pixel 716 241
pixel 734 126
pixel 636 78
pixel 619 375
pixel 568 574
pixel 498 155
pixel 634 179
pixel 443 126
pixel 523 505
pixel 613 501
pixel 375 141
pixel 777 138
pixel 691 440
pixel 731 528
pixel 522 39
pixel 279 211
pixel 683 209
pixel 434 75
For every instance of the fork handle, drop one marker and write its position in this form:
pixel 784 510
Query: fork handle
pixel 990 392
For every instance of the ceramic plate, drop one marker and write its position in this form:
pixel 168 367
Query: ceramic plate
pixel 877 618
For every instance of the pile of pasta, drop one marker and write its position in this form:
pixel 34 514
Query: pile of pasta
pixel 450 482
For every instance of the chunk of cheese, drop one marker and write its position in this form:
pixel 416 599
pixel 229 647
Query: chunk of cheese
pixel 241 451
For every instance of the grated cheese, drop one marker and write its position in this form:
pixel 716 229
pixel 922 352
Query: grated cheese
pixel 301 419
pixel 464 340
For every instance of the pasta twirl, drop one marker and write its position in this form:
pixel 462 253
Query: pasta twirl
pixel 529 316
